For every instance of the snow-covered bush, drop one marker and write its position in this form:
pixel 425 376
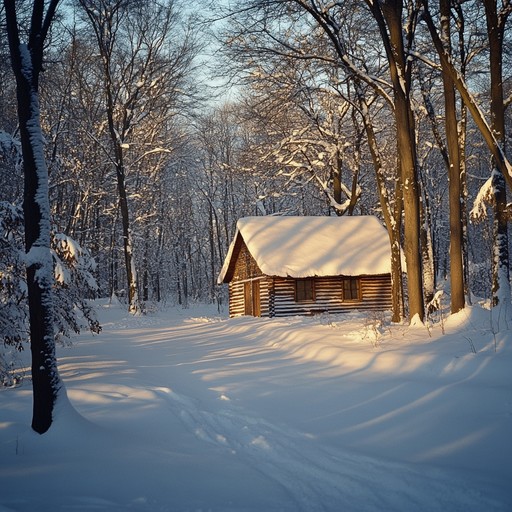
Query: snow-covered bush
pixel 74 286
pixel 13 297
pixel 12 370
pixel 13 303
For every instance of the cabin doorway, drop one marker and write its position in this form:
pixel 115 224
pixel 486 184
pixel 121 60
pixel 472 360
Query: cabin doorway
pixel 252 302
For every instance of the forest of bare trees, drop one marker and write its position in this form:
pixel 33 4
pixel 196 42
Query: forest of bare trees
pixel 396 108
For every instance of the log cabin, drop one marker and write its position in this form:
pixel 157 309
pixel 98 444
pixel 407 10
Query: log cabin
pixel 288 265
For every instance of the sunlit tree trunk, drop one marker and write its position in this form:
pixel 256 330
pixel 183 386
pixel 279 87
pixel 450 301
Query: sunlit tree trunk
pixel 454 173
pixel 336 178
pixel 391 210
pixel 389 17
pixel 129 258
pixel 501 278
pixel 462 132
pixel 427 251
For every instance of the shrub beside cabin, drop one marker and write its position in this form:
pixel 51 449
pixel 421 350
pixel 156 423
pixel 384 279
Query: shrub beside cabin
pixel 280 266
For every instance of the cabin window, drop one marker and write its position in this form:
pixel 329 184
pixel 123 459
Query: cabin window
pixel 351 289
pixel 304 290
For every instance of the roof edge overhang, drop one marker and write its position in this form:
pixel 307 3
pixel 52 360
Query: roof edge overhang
pixel 228 268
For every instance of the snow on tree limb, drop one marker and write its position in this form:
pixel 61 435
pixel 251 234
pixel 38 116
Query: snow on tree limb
pixel 486 196
pixel 343 207
pixel 507 101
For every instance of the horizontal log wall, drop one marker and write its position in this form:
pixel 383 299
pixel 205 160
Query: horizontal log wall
pixel 375 294
pixel 264 296
pixel 278 296
pixel 236 296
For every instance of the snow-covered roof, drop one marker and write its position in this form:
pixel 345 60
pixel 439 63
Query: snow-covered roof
pixel 313 246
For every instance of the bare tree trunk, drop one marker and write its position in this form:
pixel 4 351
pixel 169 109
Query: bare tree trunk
pixel 212 280
pixel 129 259
pixel 103 18
pixel 336 179
pixel 354 196
pixel 501 274
pixel 462 133
pixel 454 174
pixel 390 19
pixel 392 215
pixel 145 267
pixel 427 252
pixel 27 63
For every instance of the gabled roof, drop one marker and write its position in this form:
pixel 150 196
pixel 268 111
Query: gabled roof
pixel 312 246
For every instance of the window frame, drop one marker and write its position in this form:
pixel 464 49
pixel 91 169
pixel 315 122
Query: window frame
pixel 305 295
pixel 351 280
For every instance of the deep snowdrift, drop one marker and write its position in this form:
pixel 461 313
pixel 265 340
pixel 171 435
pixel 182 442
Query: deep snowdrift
pixel 189 411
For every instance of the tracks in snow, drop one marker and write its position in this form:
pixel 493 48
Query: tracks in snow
pixel 317 479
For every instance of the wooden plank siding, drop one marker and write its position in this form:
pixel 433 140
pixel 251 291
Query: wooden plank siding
pixel 245 265
pixel 375 294
pixel 277 296
pixel 237 292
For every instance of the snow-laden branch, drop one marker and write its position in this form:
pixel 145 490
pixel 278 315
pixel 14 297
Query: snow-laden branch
pixel 339 207
pixel 331 29
pixel 507 101
pixel 485 197
pixel 152 152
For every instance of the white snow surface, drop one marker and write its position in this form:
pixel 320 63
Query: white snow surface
pixel 186 410
pixel 315 246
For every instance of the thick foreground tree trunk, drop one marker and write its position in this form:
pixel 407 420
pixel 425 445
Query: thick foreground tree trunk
pixel 500 270
pixel 27 63
pixel 389 18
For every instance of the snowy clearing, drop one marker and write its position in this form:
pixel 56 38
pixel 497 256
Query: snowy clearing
pixel 189 411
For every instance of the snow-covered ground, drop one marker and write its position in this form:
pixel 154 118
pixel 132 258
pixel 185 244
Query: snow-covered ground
pixel 186 410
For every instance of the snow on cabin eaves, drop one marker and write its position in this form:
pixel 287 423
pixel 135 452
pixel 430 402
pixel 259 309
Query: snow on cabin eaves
pixel 314 246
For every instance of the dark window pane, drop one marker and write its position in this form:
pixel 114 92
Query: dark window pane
pixel 351 289
pixel 304 290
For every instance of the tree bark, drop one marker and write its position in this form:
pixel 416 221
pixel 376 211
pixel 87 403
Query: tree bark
pixel 454 174
pixel 129 259
pixel 427 251
pixel 501 273
pixel 392 214
pixel 389 18
pixel 336 179
pixel 103 18
pixel 26 62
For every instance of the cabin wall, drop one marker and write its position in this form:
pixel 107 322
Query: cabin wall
pixel 277 296
pixel 237 294
pixel 245 265
pixel 375 295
